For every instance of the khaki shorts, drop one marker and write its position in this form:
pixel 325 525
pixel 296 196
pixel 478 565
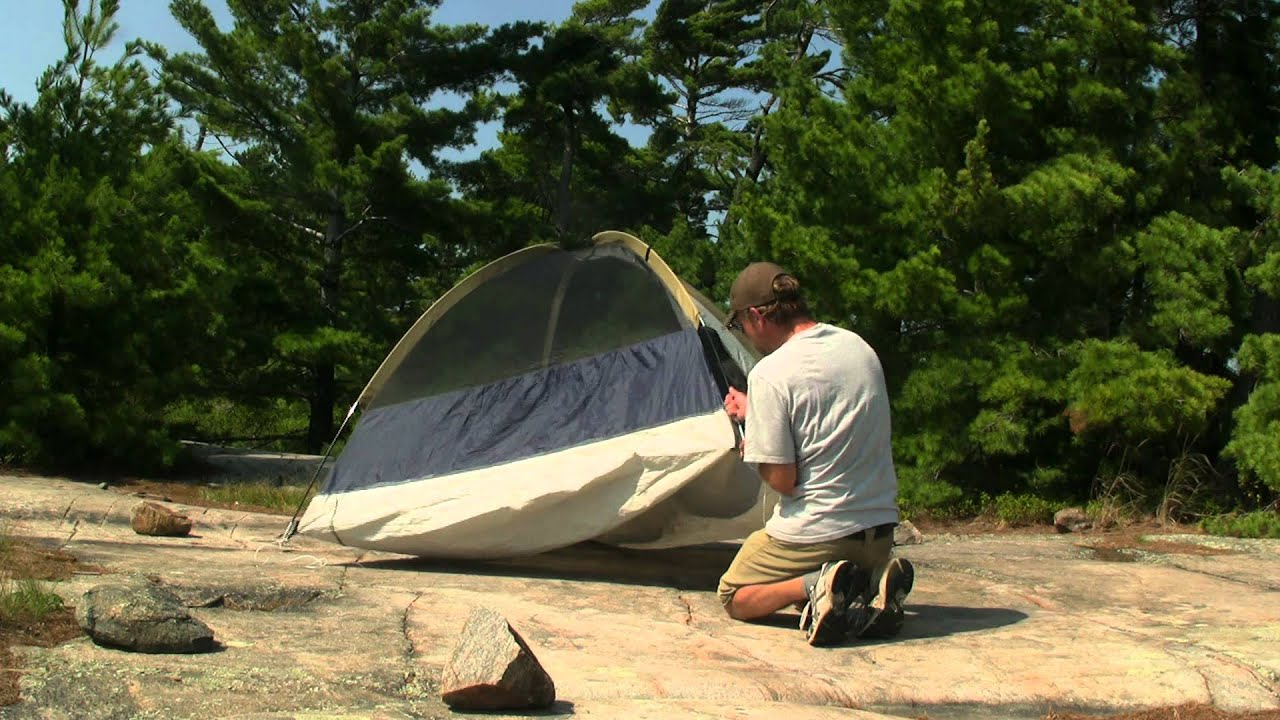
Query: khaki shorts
pixel 763 559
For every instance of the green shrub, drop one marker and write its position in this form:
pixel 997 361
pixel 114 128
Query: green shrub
pixel 1258 524
pixel 935 499
pixel 1013 509
pixel 275 425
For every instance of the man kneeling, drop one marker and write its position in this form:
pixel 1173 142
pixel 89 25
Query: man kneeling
pixel 818 430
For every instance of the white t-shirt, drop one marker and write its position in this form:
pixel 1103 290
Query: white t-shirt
pixel 820 401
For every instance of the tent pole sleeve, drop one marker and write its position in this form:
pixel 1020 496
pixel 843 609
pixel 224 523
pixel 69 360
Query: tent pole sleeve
pixel 553 321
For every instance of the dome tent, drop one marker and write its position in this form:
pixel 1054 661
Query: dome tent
pixel 551 397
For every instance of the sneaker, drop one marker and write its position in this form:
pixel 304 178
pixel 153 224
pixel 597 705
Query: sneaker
pixel 860 613
pixel 895 584
pixel 824 618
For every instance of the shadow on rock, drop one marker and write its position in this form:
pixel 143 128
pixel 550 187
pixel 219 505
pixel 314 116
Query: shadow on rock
pixel 691 568
pixel 922 622
pixel 934 621
pixel 559 708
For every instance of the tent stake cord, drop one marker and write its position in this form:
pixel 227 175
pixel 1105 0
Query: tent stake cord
pixel 292 528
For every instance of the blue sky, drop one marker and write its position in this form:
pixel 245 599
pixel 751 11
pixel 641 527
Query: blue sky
pixel 31 34
pixel 31 30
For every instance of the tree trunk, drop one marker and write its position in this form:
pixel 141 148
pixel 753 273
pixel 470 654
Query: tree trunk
pixel 563 196
pixel 324 393
pixel 759 153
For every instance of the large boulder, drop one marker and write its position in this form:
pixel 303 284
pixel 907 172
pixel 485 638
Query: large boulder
pixel 141 617
pixel 492 668
pixel 154 519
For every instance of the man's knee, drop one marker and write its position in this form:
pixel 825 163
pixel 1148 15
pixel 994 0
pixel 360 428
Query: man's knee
pixel 726 601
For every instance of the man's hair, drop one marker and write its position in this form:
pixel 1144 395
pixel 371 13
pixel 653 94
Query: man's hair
pixel 790 304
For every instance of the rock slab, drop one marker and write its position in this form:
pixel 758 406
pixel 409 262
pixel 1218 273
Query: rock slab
pixel 141 617
pixel 492 668
pixel 153 519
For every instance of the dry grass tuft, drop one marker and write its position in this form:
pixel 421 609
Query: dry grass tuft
pixel 30 614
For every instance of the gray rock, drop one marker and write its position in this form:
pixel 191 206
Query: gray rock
pixel 153 519
pixel 492 668
pixel 141 617
pixel 1071 519
pixel 907 534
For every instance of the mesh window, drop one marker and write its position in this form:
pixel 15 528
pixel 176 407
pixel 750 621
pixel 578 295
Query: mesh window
pixel 553 309
pixel 610 302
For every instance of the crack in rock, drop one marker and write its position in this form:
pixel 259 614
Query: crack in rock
pixel 1259 674
pixel 410 650
pixel 688 609
pixel 1229 578
pixel 1208 687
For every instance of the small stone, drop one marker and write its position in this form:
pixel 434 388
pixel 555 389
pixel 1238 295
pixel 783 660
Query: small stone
pixel 1071 519
pixel 141 617
pixel 907 534
pixel 153 519
pixel 492 668
pixel 102 486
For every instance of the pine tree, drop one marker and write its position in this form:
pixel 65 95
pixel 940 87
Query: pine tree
pixel 561 157
pixel 103 302
pixel 323 105
pixel 983 203
pixel 1255 438
pixel 723 60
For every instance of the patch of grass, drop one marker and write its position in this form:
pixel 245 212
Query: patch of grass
pixel 25 600
pixel 277 498
pixel 1015 510
pixel 1188 474
pixel 1118 500
pixel 1257 524
pixel 30 614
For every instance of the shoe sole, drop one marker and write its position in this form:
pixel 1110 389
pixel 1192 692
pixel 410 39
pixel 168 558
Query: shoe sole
pixel 906 580
pixel 895 585
pixel 828 622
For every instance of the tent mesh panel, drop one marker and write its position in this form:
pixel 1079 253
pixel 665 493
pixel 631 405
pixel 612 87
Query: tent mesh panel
pixel 554 309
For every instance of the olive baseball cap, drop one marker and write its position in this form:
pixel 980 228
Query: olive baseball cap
pixel 753 287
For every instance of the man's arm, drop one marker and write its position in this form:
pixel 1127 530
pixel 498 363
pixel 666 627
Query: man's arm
pixel 769 444
pixel 779 477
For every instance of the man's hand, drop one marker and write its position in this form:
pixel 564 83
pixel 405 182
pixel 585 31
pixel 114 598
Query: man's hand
pixel 735 403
